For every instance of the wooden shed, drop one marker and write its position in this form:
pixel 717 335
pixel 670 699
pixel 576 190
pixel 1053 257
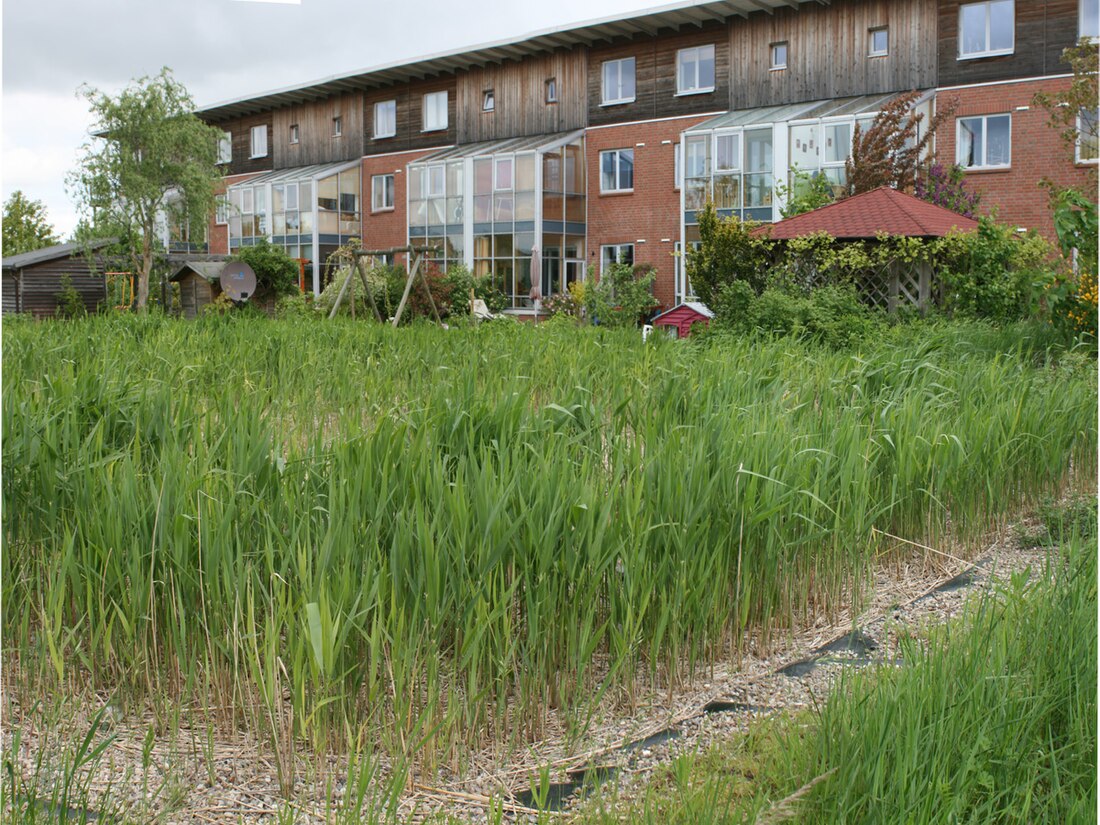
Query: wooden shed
pixel 679 320
pixel 33 280
pixel 200 284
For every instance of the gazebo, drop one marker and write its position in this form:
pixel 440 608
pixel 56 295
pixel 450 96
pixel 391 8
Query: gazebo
pixel 866 217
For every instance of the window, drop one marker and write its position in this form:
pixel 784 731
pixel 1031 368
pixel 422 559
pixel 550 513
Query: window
pixel 225 147
pixel 503 172
pixel 618 81
pixel 1088 150
pixel 385 118
pixel 488 101
pixel 727 152
pixel 987 28
pixel 878 42
pixel 620 253
pixel 337 126
pixel 435 111
pixel 434 181
pixel 695 70
pixel 259 141
pixel 381 192
pixel 779 55
pixel 984 142
pixel 221 209
pixel 677 168
pixel 294 133
pixel 617 170
pixel 552 90
pixel 1089 19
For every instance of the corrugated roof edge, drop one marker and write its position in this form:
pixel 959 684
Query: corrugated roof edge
pixel 52 253
pixel 684 12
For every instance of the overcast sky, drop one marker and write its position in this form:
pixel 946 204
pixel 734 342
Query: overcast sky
pixel 220 49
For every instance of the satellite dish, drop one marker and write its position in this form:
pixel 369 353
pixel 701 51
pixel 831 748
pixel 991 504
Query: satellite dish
pixel 238 281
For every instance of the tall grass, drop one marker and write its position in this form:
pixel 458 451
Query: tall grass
pixel 446 533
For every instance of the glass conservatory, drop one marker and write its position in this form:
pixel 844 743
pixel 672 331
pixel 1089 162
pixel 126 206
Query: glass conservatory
pixel 742 160
pixel 505 209
pixel 309 211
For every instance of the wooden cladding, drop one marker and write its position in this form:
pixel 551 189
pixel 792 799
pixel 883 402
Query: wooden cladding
pixel 241 129
pixel 35 288
pixel 655 76
pixel 1043 29
pixel 520 92
pixel 828 52
pixel 317 142
pixel 410 132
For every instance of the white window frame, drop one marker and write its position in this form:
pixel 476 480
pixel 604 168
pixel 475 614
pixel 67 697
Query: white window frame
pixel 488 101
pixel 374 204
pixel 551 88
pixel 1077 144
pixel 774 65
pixel 1081 23
pixel 618 247
pixel 258 150
pixel 985 141
pixel 221 209
pixel 510 183
pixel 871 50
pixel 427 177
pixel 681 88
pixel 294 134
pixel 225 148
pixel 604 91
pixel 618 160
pixel 737 133
pixel 378 106
pixel 987 52
pixel 677 167
pixel 430 100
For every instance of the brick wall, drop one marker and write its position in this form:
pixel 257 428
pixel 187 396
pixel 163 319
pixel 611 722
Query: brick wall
pixel 1037 152
pixel 387 228
pixel 651 213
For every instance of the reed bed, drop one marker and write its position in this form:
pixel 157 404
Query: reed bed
pixel 443 536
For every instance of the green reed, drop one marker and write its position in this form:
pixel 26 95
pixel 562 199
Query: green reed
pixel 451 534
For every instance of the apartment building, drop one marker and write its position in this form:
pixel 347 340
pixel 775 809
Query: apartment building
pixel 601 141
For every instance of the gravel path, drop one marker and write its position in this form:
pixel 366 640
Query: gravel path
pixel 206 775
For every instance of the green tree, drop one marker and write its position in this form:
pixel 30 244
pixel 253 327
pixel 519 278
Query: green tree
pixel 276 272
pixel 150 157
pixel 729 251
pixel 25 225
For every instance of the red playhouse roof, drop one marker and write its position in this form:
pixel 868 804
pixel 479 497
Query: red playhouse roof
pixel 882 210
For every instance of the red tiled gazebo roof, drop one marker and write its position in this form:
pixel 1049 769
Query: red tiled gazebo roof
pixel 882 210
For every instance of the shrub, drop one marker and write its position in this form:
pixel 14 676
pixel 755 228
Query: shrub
pixel 296 306
pixel 276 272
pixel 946 186
pixel 460 281
pixel 994 273
pixel 622 295
pixel 69 302
pixel 729 252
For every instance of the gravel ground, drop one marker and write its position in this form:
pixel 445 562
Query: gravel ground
pixel 203 775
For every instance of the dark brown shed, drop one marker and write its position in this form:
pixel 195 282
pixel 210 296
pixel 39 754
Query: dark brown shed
pixel 33 280
pixel 199 285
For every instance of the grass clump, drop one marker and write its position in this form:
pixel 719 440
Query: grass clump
pixel 987 720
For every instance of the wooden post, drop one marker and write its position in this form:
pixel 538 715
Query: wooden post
pixel 367 289
pixel 408 289
pixel 340 296
pixel 924 269
pixel 894 286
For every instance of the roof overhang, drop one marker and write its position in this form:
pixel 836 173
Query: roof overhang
pixel 673 16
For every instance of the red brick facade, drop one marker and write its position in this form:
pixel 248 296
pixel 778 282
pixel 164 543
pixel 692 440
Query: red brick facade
pixel 649 216
pixel 387 228
pixel 1037 152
